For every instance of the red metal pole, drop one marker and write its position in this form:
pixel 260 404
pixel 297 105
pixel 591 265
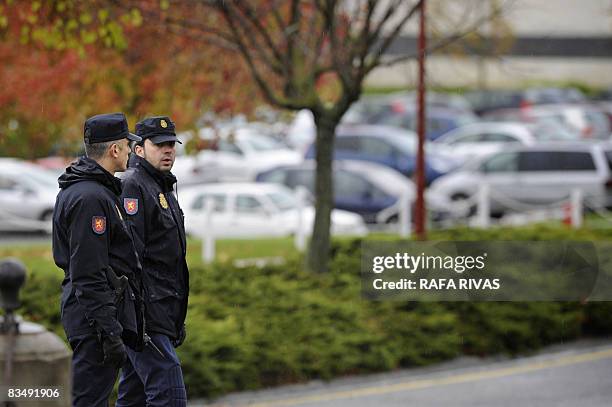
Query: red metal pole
pixel 419 209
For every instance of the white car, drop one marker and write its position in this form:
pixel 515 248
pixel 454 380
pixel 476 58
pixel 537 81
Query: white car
pixel 238 156
pixel 484 138
pixel 302 130
pixel 246 210
pixel 27 196
pixel 530 177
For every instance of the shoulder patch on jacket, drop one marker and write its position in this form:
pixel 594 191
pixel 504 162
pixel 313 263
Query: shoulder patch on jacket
pixel 98 224
pixel 130 205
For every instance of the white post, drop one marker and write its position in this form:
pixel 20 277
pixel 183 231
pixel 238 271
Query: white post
pixel 405 218
pixel 300 229
pixel 208 237
pixel 483 211
pixel 576 202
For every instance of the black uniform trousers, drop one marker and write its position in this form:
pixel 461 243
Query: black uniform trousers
pixel 148 373
pixel 92 381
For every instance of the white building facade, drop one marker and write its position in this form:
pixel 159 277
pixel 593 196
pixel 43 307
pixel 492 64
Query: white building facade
pixel 552 41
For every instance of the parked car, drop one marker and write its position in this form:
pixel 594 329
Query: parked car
pixel 302 131
pixel 245 210
pixel 479 139
pixel 588 121
pixel 27 193
pixel 237 156
pixel 528 176
pixel 402 112
pixel 439 99
pixel 483 101
pixel 606 108
pixel 373 191
pixel 386 145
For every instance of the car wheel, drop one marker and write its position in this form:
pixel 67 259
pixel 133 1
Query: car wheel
pixel 392 219
pixel 461 197
pixel 47 215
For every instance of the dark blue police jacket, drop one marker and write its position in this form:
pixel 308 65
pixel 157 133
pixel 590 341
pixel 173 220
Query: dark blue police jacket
pixel 158 227
pixel 91 240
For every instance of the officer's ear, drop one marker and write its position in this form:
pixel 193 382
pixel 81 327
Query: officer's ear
pixel 138 149
pixel 114 150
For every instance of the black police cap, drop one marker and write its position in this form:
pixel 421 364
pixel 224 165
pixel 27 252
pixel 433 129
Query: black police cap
pixel 158 129
pixel 107 127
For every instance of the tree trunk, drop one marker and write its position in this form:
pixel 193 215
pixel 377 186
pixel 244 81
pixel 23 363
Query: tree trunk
pixel 319 249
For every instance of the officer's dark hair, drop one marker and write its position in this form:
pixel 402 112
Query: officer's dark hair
pixel 96 151
pixel 133 144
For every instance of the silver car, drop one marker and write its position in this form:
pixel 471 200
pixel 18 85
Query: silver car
pixel 27 196
pixel 484 138
pixel 527 177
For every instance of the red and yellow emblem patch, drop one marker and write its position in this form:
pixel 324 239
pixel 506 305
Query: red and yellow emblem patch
pixel 130 205
pixel 98 224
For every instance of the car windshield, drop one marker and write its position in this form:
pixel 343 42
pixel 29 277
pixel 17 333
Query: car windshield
pixel 406 143
pixel 386 179
pixel 262 143
pixel 283 201
pixel 547 130
pixel 37 178
pixel 609 158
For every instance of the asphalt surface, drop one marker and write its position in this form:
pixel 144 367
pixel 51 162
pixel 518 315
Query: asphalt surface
pixel 576 374
pixel 23 238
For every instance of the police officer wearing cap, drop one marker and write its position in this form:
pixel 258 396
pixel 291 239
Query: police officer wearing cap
pixel 100 303
pixel 154 377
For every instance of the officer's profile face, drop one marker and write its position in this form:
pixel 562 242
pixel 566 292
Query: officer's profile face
pixel 161 156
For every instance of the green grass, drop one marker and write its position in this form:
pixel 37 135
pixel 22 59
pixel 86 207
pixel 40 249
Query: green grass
pixel 36 257
pixel 39 258
pixel 231 249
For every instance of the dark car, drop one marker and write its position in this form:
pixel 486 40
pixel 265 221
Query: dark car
pixel 374 191
pixel 371 190
pixel 484 101
pixel 386 145
pixel 402 112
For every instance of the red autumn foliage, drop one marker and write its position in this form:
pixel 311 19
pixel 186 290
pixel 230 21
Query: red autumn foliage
pixel 46 94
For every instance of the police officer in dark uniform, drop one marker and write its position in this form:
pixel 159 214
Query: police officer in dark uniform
pixel 154 377
pixel 101 289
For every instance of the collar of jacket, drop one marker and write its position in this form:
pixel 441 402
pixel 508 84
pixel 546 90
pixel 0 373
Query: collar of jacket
pixel 165 180
pixel 86 169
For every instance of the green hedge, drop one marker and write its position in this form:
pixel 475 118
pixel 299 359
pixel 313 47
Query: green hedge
pixel 250 328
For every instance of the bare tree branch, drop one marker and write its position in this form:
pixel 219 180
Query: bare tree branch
pixel 362 46
pixel 274 61
pixel 376 33
pixel 277 16
pixel 266 90
pixel 340 67
pixel 450 39
pixel 254 20
pixel 392 36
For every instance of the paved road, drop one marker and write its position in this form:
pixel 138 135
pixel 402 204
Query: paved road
pixel 578 374
pixel 23 238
